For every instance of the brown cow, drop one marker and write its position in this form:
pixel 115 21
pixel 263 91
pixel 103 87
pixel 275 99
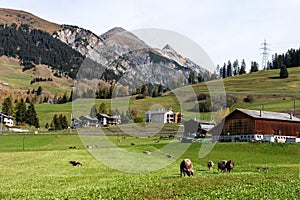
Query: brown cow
pixel 222 165
pixel 186 168
pixel 210 164
pixel 229 165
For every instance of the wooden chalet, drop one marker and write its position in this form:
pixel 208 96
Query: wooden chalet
pixel 247 125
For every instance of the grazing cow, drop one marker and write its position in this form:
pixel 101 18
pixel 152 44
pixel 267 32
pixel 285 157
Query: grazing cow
pixel 210 164
pixel 76 163
pixel 170 156
pixel 186 168
pixel 222 165
pixel 229 165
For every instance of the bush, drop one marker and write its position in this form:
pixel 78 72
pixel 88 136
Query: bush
pixel 248 99
pixel 138 120
pixel 204 106
pixel 139 97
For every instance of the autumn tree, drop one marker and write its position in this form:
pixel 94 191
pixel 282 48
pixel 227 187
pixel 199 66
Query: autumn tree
pixel 102 108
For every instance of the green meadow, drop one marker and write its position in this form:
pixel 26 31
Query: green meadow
pixel 37 167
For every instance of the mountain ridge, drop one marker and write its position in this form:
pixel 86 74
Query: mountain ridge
pixel 9 16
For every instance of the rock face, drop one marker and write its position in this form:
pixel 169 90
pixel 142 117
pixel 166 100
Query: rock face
pixel 125 58
pixel 188 65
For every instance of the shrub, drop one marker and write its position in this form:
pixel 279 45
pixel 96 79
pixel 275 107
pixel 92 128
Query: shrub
pixel 248 99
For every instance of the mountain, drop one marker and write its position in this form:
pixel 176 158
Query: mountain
pixel 10 16
pixel 128 59
pixel 114 56
pixel 170 53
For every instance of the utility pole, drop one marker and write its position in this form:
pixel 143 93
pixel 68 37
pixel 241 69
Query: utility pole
pixel 265 54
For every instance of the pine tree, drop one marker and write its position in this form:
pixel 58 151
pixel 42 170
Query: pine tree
pixel 236 68
pixel 283 72
pixel 200 78
pixel 64 99
pixel 63 121
pixel 243 67
pixel 56 123
pixel 160 90
pixel 20 112
pixel 224 74
pixel 7 106
pixel 145 90
pixel 229 69
pixel 39 91
pixel 254 67
pixel 93 112
pixel 155 92
pixel 31 116
pixel 192 78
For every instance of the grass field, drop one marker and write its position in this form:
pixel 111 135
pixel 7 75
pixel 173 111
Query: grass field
pixel 37 167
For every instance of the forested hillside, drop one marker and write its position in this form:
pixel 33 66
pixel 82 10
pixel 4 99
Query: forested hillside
pixel 38 47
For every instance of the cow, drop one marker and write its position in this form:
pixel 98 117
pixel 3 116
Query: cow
pixel 222 165
pixel 186 168
pixel 229 165
pixel 76 163
pixel 210 164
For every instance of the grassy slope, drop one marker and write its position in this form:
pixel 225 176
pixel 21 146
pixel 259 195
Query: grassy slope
pixel 19 81
pixel 43 171
pixel 10 16
pixel 262 82
pixel 266 88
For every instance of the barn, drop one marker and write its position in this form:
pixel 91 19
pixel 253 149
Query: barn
pixel 257 125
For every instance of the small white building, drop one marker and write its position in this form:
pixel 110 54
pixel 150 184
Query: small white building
pixel 163 116
pixel 6 119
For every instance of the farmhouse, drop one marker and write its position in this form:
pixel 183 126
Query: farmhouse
pixel 163 116
pixel 198 128
pixel 105 119
pixel 6 119
pixel 85 121
pixel 257 125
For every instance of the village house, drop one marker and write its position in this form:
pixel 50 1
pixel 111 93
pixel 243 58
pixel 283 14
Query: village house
pixel 85 121
pixel 105 119
pixel 198 128
pixel 163 116
pixel 6 120
pixel 257 125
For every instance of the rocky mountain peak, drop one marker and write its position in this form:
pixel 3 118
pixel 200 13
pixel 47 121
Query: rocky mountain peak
pixel 112 32
pixel 169 48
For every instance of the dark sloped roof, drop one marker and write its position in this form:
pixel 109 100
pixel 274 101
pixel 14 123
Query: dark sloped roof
pixel 257 114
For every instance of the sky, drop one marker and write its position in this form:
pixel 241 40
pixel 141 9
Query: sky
pixel 225 29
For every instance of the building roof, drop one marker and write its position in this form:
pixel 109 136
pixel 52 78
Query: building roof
pixel 88 118
pixel 6 116
pixel 109 116
pixel 257 114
